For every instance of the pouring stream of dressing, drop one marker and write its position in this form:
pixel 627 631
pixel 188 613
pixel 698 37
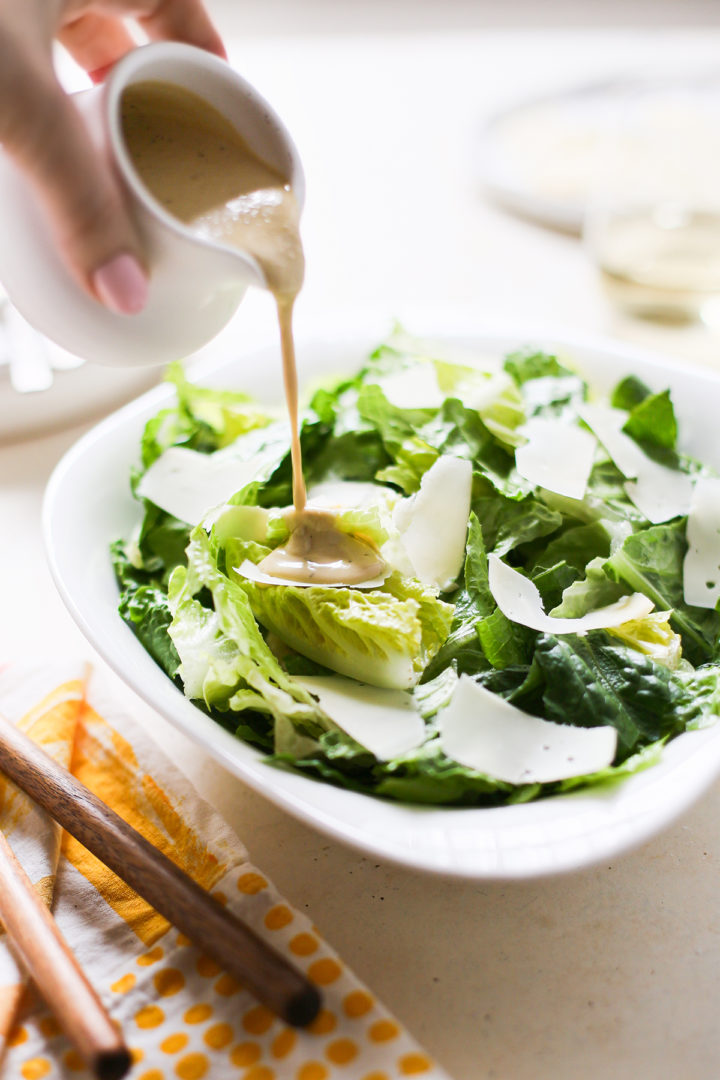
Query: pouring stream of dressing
pixel 199 168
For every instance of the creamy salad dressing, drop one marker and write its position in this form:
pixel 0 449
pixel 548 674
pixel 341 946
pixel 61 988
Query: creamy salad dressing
pixel 318 552
pixel 202 171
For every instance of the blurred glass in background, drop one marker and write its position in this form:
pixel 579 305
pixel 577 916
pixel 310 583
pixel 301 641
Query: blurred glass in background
pixel 652 219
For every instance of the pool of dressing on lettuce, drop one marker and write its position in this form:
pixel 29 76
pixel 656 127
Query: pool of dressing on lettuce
pixel 202 171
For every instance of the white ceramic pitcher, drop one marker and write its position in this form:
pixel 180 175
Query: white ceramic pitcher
pixel 196 284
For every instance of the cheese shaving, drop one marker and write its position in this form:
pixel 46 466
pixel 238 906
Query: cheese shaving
pixel 518 598
pixel 484 732
pixel 658 492
pixel 557 456
pixel 385 722
pixel 701 568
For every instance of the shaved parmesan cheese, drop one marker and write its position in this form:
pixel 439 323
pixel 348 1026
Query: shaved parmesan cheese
pixel 607 423
pixel 433 522
pixel 347 495
pixel 518 599
pixel 418 387
pixel 385 722
pixel 701 569
pixel 484 732
pixel 658 492
pixel 413 387
pixel 187 484
pixel 556 456
pixel 253 572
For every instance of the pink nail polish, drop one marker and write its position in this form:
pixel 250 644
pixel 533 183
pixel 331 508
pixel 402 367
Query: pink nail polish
pixel 121 284
pixel 99 74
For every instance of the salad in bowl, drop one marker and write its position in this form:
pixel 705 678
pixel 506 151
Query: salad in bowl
pixel 546 616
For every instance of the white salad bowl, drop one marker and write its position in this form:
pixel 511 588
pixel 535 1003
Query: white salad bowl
pixel 88 504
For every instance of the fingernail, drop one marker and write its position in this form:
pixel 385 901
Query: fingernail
pixel 99 74
pixel 121 284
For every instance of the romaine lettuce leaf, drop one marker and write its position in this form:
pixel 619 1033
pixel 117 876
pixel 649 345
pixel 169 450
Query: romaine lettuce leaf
pixel 577 545
pixel 385 637
pixel 651 562
pixel 413 458
pixel 460 431
pixel 202 419
pixel 595 590
pixel 548 387
pixel 480 635
pixel 226 413
pixel 654 636
pixel 224 659
pixel 652 417
pixel 235 643
pixel 144 607
pixel 507 523
pixel 525 365
pixel 595 680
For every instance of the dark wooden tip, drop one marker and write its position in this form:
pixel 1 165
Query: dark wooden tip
pixel 302 1008
pixel 112 1065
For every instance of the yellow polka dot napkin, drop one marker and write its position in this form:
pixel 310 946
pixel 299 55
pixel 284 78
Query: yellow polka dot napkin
pixel 182 1016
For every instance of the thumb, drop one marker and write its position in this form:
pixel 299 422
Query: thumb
pixel 93 227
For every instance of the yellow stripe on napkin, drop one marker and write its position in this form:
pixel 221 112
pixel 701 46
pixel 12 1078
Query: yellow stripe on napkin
pixel 105 763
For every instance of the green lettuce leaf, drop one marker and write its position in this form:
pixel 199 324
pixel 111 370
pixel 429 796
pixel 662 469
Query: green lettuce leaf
pixel 461 432
pixel 224 659
pixel 507 523
pixel 502 410
pixel 480 635
pixel 629 392
pixel 594 680
pixel 202 419
pixel 595 590
pixel 652 417
pixel 385 637
pixel 577 545
pixel 651 562
pixel 143 605
pixel 654 636
pixel 225 413
pixel 525 365
pixel 548 387
pixel 413 458
pixel 161 541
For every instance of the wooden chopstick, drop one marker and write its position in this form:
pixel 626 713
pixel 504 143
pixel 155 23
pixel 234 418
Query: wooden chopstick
pixel 223 936
pixel 40 947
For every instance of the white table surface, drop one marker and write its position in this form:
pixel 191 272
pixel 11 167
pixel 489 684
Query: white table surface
pixel 612 972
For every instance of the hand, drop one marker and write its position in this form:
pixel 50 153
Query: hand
pixel 42 130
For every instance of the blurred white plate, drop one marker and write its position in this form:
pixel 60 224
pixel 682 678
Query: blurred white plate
pixel 81 394
pixel 537 157
pixel 88 504
pixel 42 387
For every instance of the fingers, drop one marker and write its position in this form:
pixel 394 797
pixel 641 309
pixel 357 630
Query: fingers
pixel 93 228
pixel 97 39
pixel 96 42
pixel 41 129
pixel 181 20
